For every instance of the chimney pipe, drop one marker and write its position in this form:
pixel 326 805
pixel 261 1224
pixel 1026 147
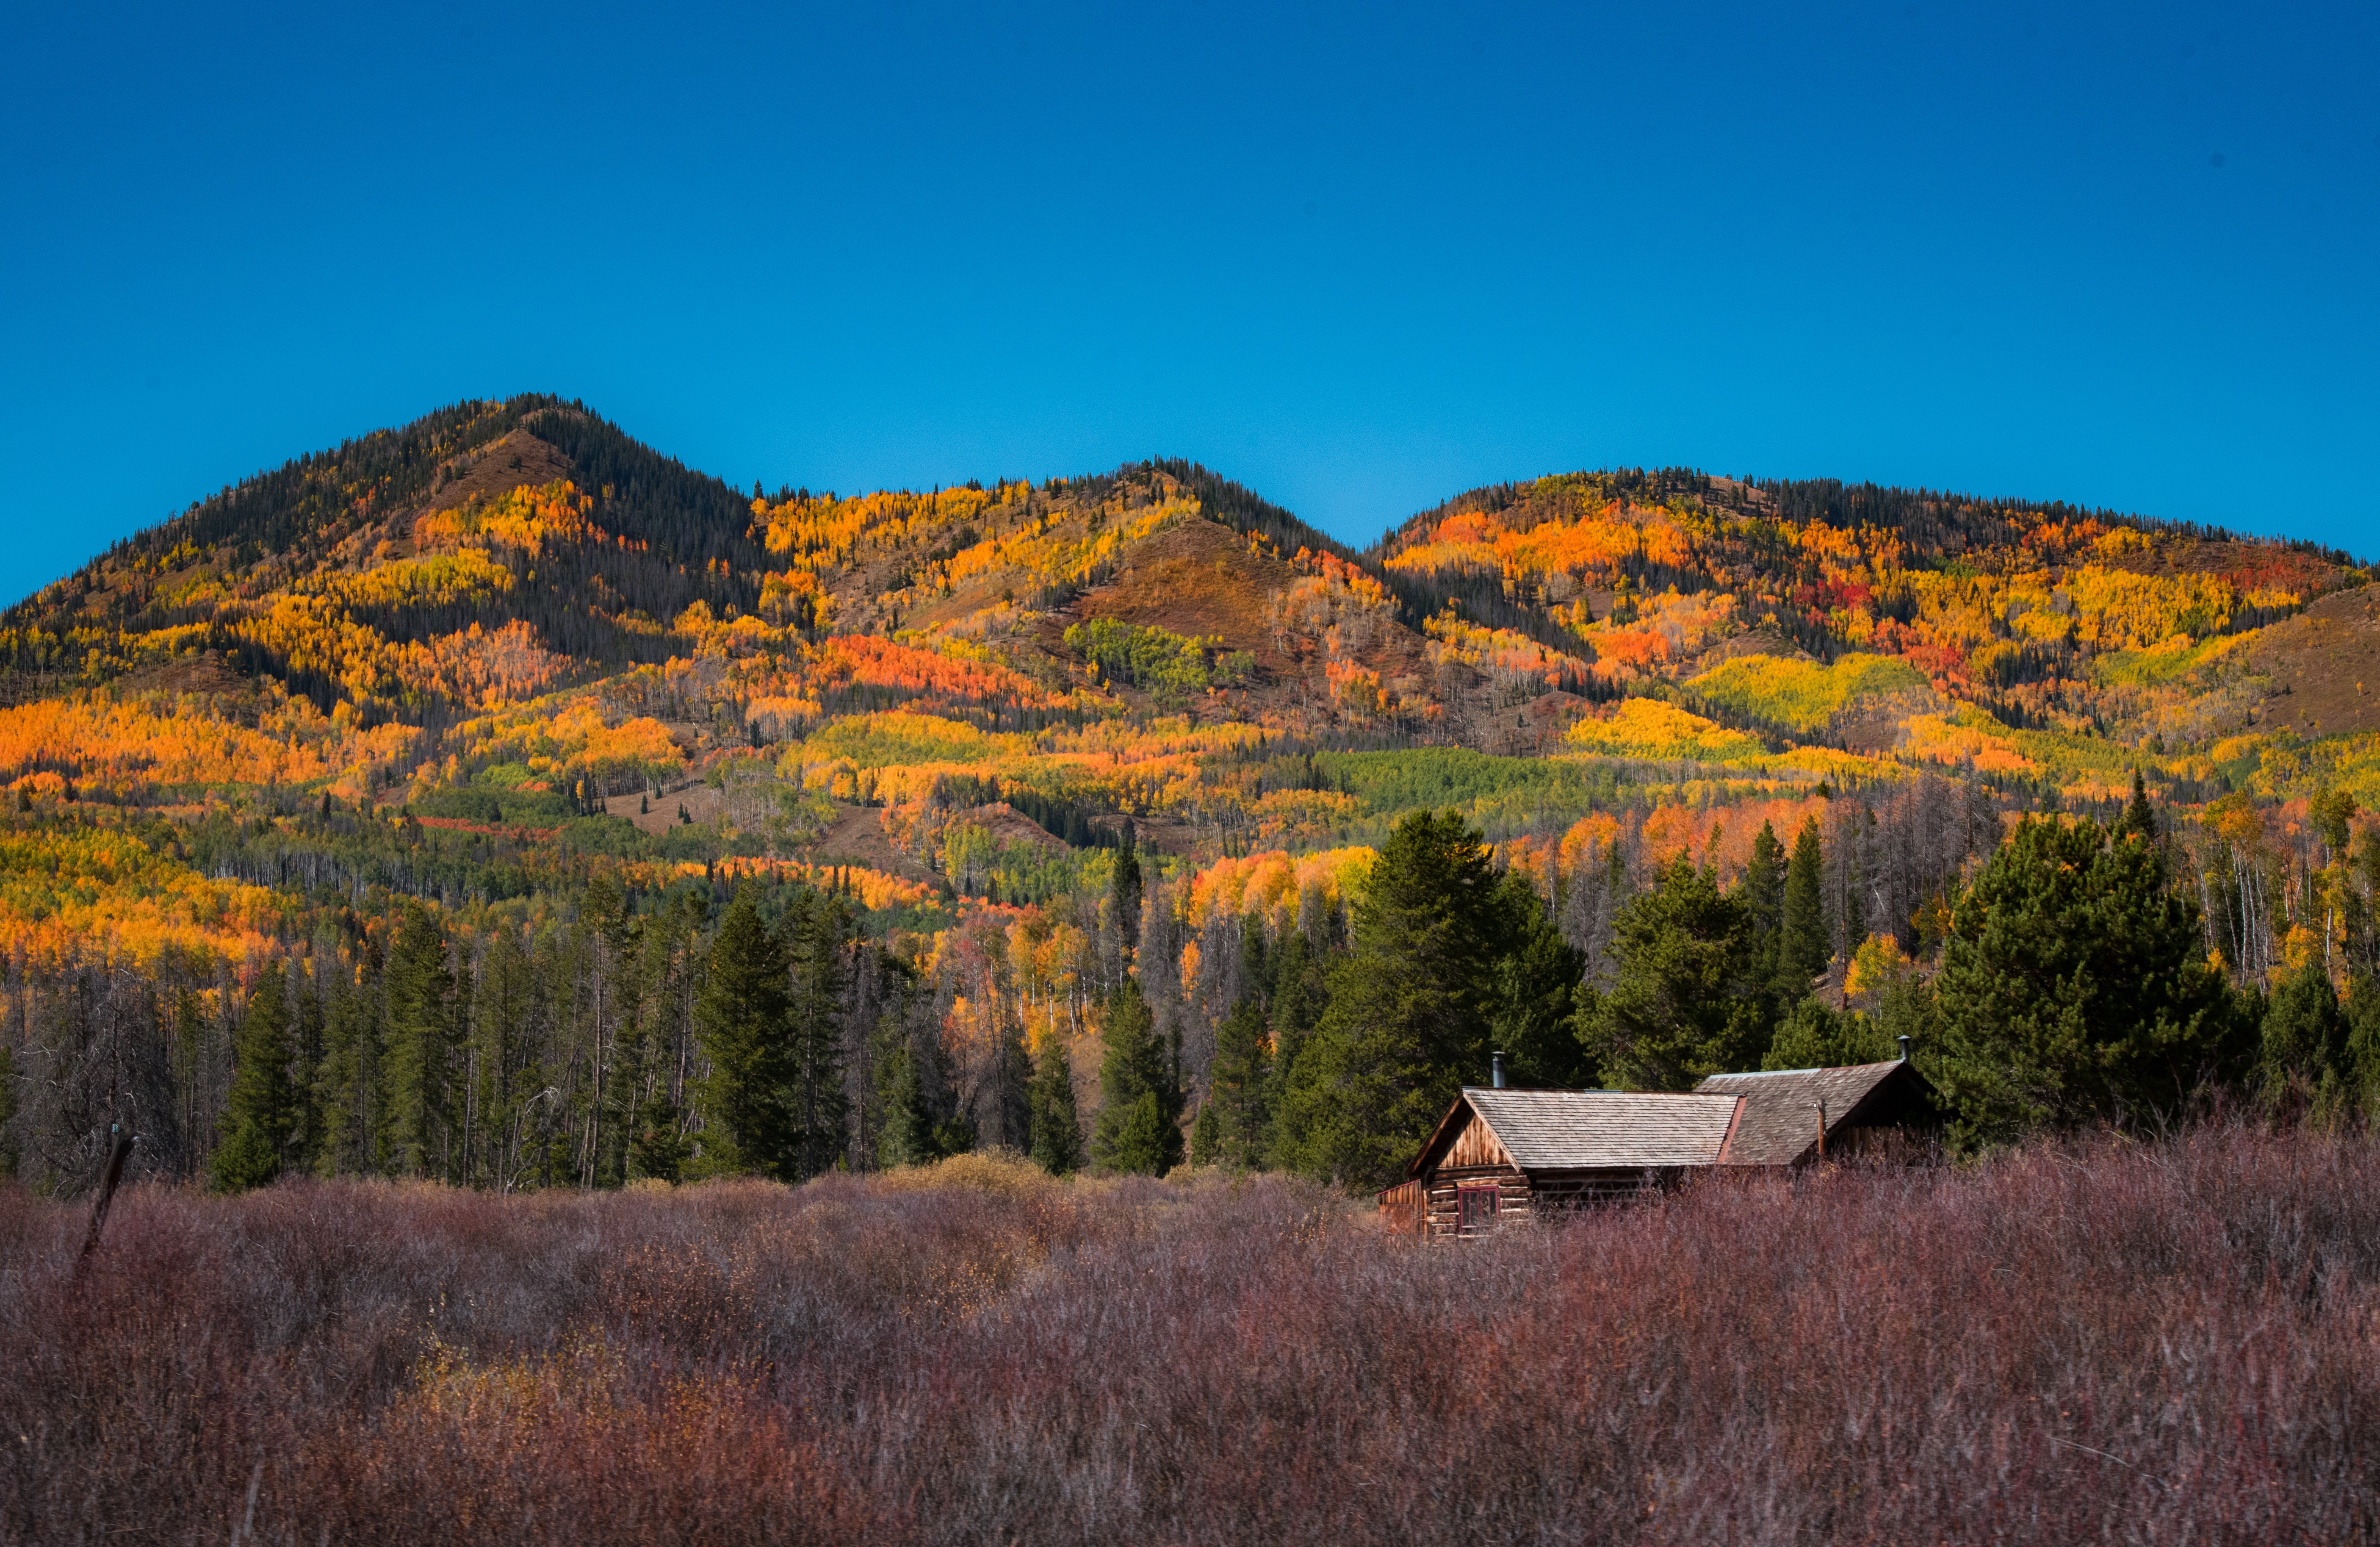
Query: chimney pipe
pixel 1903 1041
pixel 1496 1070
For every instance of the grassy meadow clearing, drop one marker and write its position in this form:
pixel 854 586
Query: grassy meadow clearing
pixel 2079 1341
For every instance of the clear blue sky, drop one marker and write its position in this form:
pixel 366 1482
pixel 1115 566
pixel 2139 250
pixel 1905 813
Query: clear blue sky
pixel 1358 256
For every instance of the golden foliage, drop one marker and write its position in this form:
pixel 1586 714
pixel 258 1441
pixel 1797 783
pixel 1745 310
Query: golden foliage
pixel 1650 728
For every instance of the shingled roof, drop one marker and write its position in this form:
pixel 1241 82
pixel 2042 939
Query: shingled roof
pixel 1597 1130
pixel 1779 1125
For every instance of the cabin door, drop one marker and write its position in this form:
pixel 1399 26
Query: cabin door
pixel 1475 1207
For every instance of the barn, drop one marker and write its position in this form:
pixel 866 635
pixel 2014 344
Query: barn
pixel 1500 1157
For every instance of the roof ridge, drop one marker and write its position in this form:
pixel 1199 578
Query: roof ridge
pixel 1507 1090
pixel 1814 1068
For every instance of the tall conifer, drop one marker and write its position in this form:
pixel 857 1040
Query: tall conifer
pixel 1136 1131
pixel 818 931
pixel 742 1018
pixel 1803 946
pixel 420 1048
pixel 261 1114
pixel 1057 1127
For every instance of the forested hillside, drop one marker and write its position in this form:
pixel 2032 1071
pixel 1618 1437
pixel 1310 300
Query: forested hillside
pixel 497 799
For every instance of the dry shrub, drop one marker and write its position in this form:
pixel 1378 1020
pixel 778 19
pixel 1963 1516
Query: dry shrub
pixel 1004 1175
pixel 2093 1341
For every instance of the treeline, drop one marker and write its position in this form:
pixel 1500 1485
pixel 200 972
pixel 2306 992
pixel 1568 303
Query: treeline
pixel 673 1039
pixel 2065 983
pixel 2061 978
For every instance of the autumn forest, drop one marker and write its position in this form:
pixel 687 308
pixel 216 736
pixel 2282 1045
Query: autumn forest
pixel 497 800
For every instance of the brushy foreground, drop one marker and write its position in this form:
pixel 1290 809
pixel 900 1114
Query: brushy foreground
pixel 2176 1341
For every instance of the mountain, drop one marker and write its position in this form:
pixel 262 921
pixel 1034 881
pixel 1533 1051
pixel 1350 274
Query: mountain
pixel 515 600
pixel 505 698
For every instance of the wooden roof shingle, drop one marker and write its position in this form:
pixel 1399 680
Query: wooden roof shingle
pixel 1779 1125
pixel 1602 1130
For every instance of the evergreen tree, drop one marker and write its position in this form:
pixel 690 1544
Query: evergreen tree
pixel 1764 900
pixel 1411 1008
pixel 246 1160
pixel 1057 1127
pixel 420 1048
pixel 2074 988
pixel 1144 1143
pixel 2305 1033
pixel 2362 1073
pixel 742 1019
pixel 1684 1004
pixel 1299 995
pixel 2139 817
pixel 345 1093
pixel 1537 984
pixel 1206 1135
pixel 261 1095
pixel 1818 1036
pixel 1802 944
pixel 907 1134
pixel 502 1049
pixel 305 1034
pixel 922 1123
pixel 818 929
pixel 1135 1132
pixel 1237 1086
pixel 1124 892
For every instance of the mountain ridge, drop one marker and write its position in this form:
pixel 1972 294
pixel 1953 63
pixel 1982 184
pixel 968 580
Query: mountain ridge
pixel 492 552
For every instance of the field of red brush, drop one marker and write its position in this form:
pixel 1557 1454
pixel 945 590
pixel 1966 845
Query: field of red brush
pixel 2172 1342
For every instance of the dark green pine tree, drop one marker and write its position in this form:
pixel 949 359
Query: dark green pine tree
pixel 1237 1084
pixel 503 1012
pixel 347 1097
pixel 907 1135
pixel 919 1122
pixel 1057 1125
pixel 2304 1033
pixel 1206 1135
pixel 1412 1006
pixel 1123 890
pixel 2074 988
pixel 1537 985
pixel 1300 993
pixel 818 934
pixel 1763 890
pixel 1816 1036
pixel 1683 1003
pixel 1238 1080
pixel 421 1044
pixel 260 1116
pixel 2362 1073
pixel 2139 815
pixel 741 1017
pixel 1138 1131
pixel 306 1037
pixel 1802 945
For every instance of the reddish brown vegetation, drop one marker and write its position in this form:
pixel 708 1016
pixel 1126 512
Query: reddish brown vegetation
pixel 2143 1344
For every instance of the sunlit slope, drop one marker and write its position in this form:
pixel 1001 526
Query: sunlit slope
pixel 1914 626
pixel 513 616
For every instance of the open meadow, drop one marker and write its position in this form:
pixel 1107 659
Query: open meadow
pixel 2096 1340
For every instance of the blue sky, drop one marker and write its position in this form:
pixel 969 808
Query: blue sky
pixel 1359 258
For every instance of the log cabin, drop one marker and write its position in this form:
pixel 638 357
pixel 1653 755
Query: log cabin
pixel 1501 1157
